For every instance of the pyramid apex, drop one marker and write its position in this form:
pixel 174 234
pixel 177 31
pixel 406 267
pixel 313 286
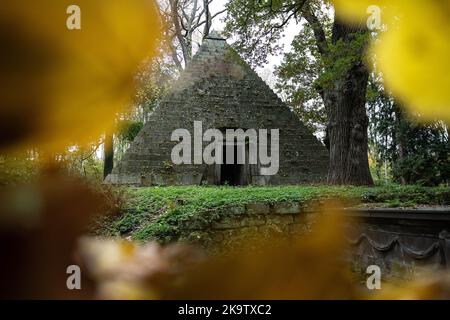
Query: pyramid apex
pixel 215 35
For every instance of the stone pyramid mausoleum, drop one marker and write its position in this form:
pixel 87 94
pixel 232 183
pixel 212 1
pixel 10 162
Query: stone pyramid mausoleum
pixel 221 90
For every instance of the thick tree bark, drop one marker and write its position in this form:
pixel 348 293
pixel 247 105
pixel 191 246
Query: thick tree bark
pixel 108 155
pixel 208 21
pixel 347 128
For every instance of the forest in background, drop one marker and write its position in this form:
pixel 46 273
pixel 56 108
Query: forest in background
pixel 311 78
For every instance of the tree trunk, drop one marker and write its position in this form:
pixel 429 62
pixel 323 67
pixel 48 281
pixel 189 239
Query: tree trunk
pixel 347 128
pixel 208 21
pixel 108 155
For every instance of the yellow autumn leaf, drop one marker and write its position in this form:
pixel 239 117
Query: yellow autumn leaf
pixel 61 86
pixel 432 285
pixel 413 53
pixel 413 57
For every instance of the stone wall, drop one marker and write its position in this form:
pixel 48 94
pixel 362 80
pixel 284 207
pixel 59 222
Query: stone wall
pixel 236 222
pixel 401 242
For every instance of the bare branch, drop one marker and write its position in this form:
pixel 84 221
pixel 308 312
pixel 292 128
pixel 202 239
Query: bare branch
pixel 178 32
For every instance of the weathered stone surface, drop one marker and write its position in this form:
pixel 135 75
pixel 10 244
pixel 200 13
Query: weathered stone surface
pixel 299 229
pixel 311 217
pixel 192 225
pixel 253 221
pixel 230 234
pixel 286 208
pixel 221 90
pixel 250 230
pixel 270 229
pixel 258 208
pixel 217 236
pixel 299 218
pixel 226 223
pixel 280 219
pixel 235 210
pixel 311 207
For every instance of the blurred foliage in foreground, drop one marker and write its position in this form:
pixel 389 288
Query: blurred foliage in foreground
pixel 42 242
pixel 298 269
pixel 50 79
pixel 62 87
pixel 413 53
pixel 310 267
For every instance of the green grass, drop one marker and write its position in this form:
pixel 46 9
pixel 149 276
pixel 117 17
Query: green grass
pixel 157 212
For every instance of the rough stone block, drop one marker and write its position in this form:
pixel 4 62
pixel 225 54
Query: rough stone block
pixel 253 221
pixel 232 233
pixel 270 229
pixel 217 236
pixel 126 179
pixel 299 229
pixel 191 225
pixel 235 210
pixel 286 208
pixel 311 207
pixel 226 223
pixel 280 219
pixel 299 218
pixel 311 217
pixel 258 208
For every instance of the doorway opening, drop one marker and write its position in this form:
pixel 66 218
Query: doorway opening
pixel 231 174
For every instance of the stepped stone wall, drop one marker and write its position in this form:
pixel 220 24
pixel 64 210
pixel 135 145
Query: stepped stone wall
pixel 237 222
pixel 221 90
